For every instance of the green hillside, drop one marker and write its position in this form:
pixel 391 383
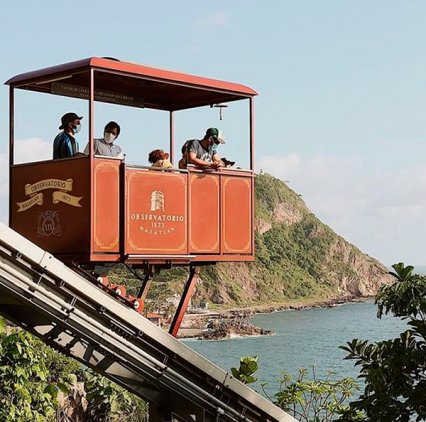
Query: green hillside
pixel 297 257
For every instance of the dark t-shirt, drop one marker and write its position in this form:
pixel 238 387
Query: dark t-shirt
pixel 64 146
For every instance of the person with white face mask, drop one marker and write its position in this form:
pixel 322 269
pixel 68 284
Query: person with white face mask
pixel 105 146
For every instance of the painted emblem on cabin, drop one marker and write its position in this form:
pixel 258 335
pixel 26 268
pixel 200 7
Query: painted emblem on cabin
pixel 154 221
pixel 157 200
pixel 36 196
pixel 48 224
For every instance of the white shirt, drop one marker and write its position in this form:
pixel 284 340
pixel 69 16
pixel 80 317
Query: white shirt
pixel 101 147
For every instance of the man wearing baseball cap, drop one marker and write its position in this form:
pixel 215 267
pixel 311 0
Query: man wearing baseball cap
pixel 65 144
pixel 203 153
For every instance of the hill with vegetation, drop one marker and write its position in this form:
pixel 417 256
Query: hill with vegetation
pixel 297 258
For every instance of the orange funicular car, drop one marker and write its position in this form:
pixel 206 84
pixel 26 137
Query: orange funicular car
pixel 120 212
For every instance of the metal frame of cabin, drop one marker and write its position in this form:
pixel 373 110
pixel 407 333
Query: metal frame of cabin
pixel 70 313
pixel 172 91
pixel 99 198
pixel 112 81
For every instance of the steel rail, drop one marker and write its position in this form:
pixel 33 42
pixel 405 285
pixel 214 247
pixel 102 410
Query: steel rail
pixel 70 313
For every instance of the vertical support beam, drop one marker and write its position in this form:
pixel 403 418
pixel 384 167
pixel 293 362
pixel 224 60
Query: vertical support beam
pixel 122 222
pixel 184 301
pixel 11 144
pixel 252 169
pixel 251 100
pixel 91 112
pixel 221 213
pixel 188 210
pixel 146 284
pixel 91 136
pixel 172 137
pixel 252 216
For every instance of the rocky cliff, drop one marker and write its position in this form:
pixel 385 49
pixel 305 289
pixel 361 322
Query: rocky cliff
pixel 297 257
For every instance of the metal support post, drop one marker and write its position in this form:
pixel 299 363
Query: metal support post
pixel 184 300
pixel 146 284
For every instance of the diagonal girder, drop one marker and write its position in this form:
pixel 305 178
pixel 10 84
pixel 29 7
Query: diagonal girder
pixel 78 319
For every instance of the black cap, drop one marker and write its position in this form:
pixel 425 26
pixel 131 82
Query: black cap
pixel 68 118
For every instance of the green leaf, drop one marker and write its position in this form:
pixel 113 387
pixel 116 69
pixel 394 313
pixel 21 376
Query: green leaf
pixel 2 326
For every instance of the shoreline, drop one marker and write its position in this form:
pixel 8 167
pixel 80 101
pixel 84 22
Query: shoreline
pixel 298 305
pixel 225 324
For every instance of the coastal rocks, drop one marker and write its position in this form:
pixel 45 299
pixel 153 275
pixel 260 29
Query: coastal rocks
pixel 234 323
pixel 74 404
pixel 297 257
pixel 221 326
pixel 220 329
pixel 262 226
pixel 287 214
pixel 366 274
pixel 217 298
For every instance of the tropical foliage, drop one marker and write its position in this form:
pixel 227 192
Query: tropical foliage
pixel 248 366
pixel 314 400
pixel 26 392
pixel 108 402
pixel 394 370
pixel 32 375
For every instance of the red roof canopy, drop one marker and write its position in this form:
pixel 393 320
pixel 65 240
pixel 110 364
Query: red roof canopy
pixel 131 84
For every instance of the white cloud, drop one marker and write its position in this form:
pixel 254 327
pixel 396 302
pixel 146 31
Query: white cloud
pixel 381 211
pixel 211 20
pixel 32 149
pixel 26 150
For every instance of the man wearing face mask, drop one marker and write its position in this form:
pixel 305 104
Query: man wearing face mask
pixel 105 146
pixel 65 144
pixel 203 153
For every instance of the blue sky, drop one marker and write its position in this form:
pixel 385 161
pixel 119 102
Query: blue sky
pixel 341 107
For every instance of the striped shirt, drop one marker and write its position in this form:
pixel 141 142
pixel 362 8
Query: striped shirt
pixel 64 146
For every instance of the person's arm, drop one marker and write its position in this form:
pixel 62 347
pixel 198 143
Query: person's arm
pixel 95 147
pixel 119 153
pixel 192 159
pixel 65 148
pixel 55 148
pixel 86 150
pixel 216 159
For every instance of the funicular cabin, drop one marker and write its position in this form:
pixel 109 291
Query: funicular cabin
pixel 91 209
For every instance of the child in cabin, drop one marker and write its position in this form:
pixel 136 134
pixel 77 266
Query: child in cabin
pixel 159 158
pixel 182 162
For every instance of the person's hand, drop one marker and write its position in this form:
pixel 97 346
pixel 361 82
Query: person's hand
pixel 214 165
pixel 218 164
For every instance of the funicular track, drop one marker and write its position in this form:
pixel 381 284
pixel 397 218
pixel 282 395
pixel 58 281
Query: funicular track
pixel 71 314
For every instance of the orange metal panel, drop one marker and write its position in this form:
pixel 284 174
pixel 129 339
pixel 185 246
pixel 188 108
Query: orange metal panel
pixel 51 204
pixel 204 213
pixel 156 212
pixel 106 204
pixel 236 215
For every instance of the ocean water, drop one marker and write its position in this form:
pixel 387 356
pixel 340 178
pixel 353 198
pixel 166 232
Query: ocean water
pixel 303 338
